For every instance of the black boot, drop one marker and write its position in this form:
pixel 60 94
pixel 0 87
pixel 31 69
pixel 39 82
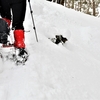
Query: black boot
pixel 4 31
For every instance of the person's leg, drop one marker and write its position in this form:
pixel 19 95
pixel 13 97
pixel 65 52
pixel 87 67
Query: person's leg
pixel 18 11
pixel 4 21
pixel 5 11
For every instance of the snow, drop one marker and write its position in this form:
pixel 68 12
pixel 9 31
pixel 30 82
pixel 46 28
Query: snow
pixel 56 72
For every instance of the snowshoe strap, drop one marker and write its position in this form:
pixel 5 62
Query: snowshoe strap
pixel 21 56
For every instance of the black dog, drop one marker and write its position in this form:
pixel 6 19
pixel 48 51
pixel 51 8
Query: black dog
pixel 60 39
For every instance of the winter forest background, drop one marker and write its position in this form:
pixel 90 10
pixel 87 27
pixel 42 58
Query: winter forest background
pixel 90 7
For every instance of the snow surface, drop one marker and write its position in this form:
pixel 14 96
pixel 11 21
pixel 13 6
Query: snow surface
pixel 56 72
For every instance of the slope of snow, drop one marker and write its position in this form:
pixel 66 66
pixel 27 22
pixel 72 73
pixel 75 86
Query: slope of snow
pixel 56 72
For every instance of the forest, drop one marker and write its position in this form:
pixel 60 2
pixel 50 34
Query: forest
pixel 87 6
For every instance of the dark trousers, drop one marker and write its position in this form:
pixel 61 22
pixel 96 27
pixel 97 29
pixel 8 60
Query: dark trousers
pixel 17 9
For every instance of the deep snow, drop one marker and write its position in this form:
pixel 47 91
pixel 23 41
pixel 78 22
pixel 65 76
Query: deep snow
pixel 56 72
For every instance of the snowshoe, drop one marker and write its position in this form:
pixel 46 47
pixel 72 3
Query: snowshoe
pixel 9 52
pixel 21 56
pixel 6 51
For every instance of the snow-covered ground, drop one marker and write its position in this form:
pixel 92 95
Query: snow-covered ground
pixel 56 72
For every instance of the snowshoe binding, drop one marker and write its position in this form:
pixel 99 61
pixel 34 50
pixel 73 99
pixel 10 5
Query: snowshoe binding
pixel 20 56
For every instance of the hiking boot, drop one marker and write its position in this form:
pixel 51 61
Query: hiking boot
pixel 19 39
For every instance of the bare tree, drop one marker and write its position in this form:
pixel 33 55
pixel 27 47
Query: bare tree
pixel 93 7
pixel 58 1
pixel 72 4
pixel 81 5
pixel 62 2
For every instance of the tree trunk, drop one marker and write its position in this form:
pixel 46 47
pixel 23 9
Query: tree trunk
pixel 72 4
pixel 93 8
pixel 62 2
pixel 58 1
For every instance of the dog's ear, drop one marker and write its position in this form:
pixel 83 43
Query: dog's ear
pixel 57 36
pixel 61 36
pixel 64 39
